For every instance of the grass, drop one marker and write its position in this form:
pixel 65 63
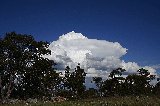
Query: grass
pixel 110 101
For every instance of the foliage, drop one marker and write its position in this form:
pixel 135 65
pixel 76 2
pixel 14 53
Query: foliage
pixel 74 81
pixel 139 84
pixel 113 86
pixel 23 71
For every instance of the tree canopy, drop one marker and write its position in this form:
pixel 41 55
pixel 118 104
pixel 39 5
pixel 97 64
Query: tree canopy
pixel 23 70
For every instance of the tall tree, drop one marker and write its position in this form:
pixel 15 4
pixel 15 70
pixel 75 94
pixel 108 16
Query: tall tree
pixel 74 81
pixel 80 80
pixel 98 82
pixel 22 66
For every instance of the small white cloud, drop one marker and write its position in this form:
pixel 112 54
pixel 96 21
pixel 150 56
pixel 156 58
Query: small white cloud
pixel 151 70
pixel 131 67
pixel 97 57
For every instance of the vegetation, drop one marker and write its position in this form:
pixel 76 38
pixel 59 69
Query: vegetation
pixel 111 101
pixel 25 73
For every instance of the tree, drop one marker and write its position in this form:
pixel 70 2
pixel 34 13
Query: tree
pixel 74 81
pixel 23 69
pixel 66 78
pixel 143 72
pixel 80 80
pixel 139 84
pixel 156 89
pixel 98 82
pixel 135 84
pixel 113 86
pixel 116 72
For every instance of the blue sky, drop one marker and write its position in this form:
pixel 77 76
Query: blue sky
pixel 135 24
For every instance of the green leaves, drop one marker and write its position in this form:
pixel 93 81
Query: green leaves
pixel 74 81
pixel 134 84
pixel 143 72
pixel 21 55
pixel 117 72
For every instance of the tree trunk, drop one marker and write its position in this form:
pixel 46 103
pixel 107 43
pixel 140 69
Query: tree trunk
pixel 10 87
pixel 1 89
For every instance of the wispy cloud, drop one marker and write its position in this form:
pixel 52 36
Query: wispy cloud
pixel 157 66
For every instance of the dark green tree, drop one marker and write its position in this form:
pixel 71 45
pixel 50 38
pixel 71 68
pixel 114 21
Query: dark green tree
pixel 67 84
pixel 156 89
pixel 74 81
pixel 98 82
pixel 114 85
pixel 143 72
pixel 139 84
pixel 24 72
pixel 116 72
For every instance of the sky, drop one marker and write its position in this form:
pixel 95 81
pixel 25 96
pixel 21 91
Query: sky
pixel 134 24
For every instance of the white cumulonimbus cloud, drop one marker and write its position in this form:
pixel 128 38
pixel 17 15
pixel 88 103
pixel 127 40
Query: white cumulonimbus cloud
pixel 97 57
